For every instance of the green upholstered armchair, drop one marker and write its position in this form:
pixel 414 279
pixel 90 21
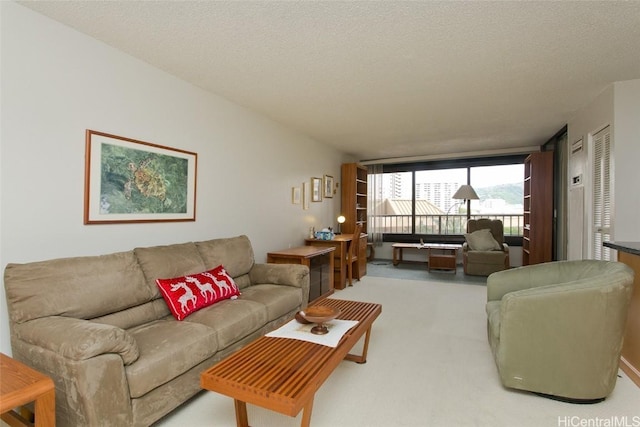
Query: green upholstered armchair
pixel 479 256
pixel 557 328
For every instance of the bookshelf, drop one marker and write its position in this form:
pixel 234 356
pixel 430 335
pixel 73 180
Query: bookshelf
pixel 537 237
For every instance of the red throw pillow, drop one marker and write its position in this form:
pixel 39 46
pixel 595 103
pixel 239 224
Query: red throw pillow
pixel 187 294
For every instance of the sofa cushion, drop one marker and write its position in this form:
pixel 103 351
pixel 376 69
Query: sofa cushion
pixel 279 300
pixel 482 240
pixel 134 316
pixel 190 293
pixel 235 253
pixel 486 257
pixel 80 287
pixel 232 319
pixel 169 261
pixel 167 349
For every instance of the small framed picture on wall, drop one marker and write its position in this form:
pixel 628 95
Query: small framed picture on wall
pixel 328 186
pixel 295 195
pixel 305 195
pixel 316 189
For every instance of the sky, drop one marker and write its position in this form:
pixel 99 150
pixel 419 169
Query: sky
pixel 496 175
pixel 481 177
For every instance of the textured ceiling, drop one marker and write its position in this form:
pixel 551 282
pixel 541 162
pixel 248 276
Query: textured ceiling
pixel 384 79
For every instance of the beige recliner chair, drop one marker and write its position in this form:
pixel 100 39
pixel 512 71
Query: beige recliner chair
pixel 484 251
pixel 557 328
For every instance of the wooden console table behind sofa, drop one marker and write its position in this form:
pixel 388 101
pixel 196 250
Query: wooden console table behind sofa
pixel 320 263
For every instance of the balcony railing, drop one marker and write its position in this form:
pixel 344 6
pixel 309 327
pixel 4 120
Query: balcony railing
pixel 442 224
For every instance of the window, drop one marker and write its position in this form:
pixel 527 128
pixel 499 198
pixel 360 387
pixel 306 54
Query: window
pixel 501 192
pixel 434 189
pixel 415 200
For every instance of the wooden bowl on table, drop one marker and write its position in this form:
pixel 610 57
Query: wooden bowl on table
pixel 319 314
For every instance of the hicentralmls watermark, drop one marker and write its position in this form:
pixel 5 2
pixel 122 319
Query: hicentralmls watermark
pixel 615 421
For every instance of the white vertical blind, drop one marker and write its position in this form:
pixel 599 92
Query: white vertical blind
pixel 601 193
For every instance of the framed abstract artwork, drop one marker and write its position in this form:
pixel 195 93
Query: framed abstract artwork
pixel 295 195
pixel 305 195
pixel 328 186
pixel 134 181
pixel 316 189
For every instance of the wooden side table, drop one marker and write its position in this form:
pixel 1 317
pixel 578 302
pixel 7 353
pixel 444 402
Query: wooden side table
pixel 320 263
pixel 442 256
pixel 20 385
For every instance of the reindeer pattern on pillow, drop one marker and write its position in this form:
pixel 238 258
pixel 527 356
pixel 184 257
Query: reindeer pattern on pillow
pixel 187 294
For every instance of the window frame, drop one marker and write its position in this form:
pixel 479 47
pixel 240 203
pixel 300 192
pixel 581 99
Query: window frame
pixel 467 163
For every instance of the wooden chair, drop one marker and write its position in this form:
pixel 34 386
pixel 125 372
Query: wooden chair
pixel 352 252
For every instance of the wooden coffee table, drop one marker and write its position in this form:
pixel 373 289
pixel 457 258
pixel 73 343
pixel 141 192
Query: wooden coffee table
pixel 284 374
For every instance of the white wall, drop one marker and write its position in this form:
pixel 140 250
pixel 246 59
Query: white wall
pixel 56 83
pixel 588 121
pixel 619 106
pixel 627 154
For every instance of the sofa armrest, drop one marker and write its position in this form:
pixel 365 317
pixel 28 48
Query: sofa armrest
pixel 280 274
pixel 78 339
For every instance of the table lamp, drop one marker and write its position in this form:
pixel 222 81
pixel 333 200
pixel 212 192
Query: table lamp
pixel 341 220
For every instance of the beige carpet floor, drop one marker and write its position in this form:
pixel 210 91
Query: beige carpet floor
pixel 429 364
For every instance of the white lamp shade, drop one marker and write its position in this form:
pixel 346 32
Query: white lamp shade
pixel 465 192
pixel 341 219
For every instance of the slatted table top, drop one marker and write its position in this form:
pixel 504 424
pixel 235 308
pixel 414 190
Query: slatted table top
pixel 283 374
pixel 19 385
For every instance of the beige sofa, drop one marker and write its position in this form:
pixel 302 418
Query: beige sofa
pixel 557 328
pixel 100 328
